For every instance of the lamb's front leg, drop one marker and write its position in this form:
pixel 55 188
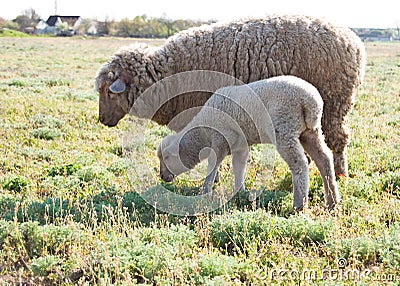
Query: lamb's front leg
pixel 239 162
pixel 214 161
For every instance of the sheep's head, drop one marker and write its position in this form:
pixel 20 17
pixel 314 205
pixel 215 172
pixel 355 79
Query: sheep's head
pixel 120 81
pixel 113 98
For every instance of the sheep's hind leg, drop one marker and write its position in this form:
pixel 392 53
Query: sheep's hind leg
pixel 341 164
pixel 313 142
pixel 292 152
pixel 337 137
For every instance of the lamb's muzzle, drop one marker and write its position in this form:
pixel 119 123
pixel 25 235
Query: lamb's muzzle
pixel 167 177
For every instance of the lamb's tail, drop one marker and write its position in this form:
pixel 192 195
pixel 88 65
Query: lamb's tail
pixel 312 110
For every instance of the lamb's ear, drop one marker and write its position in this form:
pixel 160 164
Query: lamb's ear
pixel 172 149
pixel 118 86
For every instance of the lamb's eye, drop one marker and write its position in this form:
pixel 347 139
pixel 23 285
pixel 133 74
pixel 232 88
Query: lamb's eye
pixel 112 95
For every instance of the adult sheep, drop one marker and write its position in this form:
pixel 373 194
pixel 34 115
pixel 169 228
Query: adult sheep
pixel 331 58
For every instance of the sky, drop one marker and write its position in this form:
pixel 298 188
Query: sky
pixel 350 13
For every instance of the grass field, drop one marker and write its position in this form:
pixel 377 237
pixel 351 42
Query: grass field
pixel 71 214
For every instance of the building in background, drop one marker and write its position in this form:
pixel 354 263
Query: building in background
pixel 59 25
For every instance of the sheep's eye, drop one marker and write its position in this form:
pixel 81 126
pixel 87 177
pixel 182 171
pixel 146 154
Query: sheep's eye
pixel 110 75
pixel 112 95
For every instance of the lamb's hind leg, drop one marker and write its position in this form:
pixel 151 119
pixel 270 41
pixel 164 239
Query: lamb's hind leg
pixel 291 151
pixel 313 142
pixel 239 162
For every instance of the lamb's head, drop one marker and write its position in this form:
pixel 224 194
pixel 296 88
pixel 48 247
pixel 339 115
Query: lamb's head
pixel 176 157
pixel 170 163
pixel 120 81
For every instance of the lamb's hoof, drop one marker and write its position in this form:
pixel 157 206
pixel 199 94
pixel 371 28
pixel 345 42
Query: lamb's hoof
pixel 242 189
pixel 295 211
pixel 253 195
pixel 216 180
pixel 334 209
pixel 300 208
pixel 207 188
pixel 309 160
pixel 300 204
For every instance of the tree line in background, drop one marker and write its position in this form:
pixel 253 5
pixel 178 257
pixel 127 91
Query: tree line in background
pixel 140 26
pixel 151 27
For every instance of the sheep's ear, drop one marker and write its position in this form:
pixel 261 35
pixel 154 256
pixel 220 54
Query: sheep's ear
pixel 118 86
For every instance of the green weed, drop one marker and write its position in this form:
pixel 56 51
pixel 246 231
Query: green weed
pixel 45 133
pixel 16 184
pixel 239 229
pixel 71 213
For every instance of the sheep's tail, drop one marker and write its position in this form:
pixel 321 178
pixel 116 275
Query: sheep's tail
pixel 312 110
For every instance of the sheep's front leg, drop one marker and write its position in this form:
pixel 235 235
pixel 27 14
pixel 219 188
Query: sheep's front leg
pixel 239 162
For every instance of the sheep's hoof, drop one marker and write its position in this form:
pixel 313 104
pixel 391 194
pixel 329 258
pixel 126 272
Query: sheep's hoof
pixel 340 164
pixel 341 175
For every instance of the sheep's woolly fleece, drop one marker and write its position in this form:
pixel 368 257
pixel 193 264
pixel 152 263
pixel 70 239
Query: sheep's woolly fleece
pixel 284 110
pixel 331 58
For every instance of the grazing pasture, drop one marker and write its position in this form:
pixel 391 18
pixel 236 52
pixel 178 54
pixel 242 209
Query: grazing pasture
pixel 70 213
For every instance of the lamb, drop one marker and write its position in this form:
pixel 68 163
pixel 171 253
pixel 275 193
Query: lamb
pixel 283 110
pixel 331 58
